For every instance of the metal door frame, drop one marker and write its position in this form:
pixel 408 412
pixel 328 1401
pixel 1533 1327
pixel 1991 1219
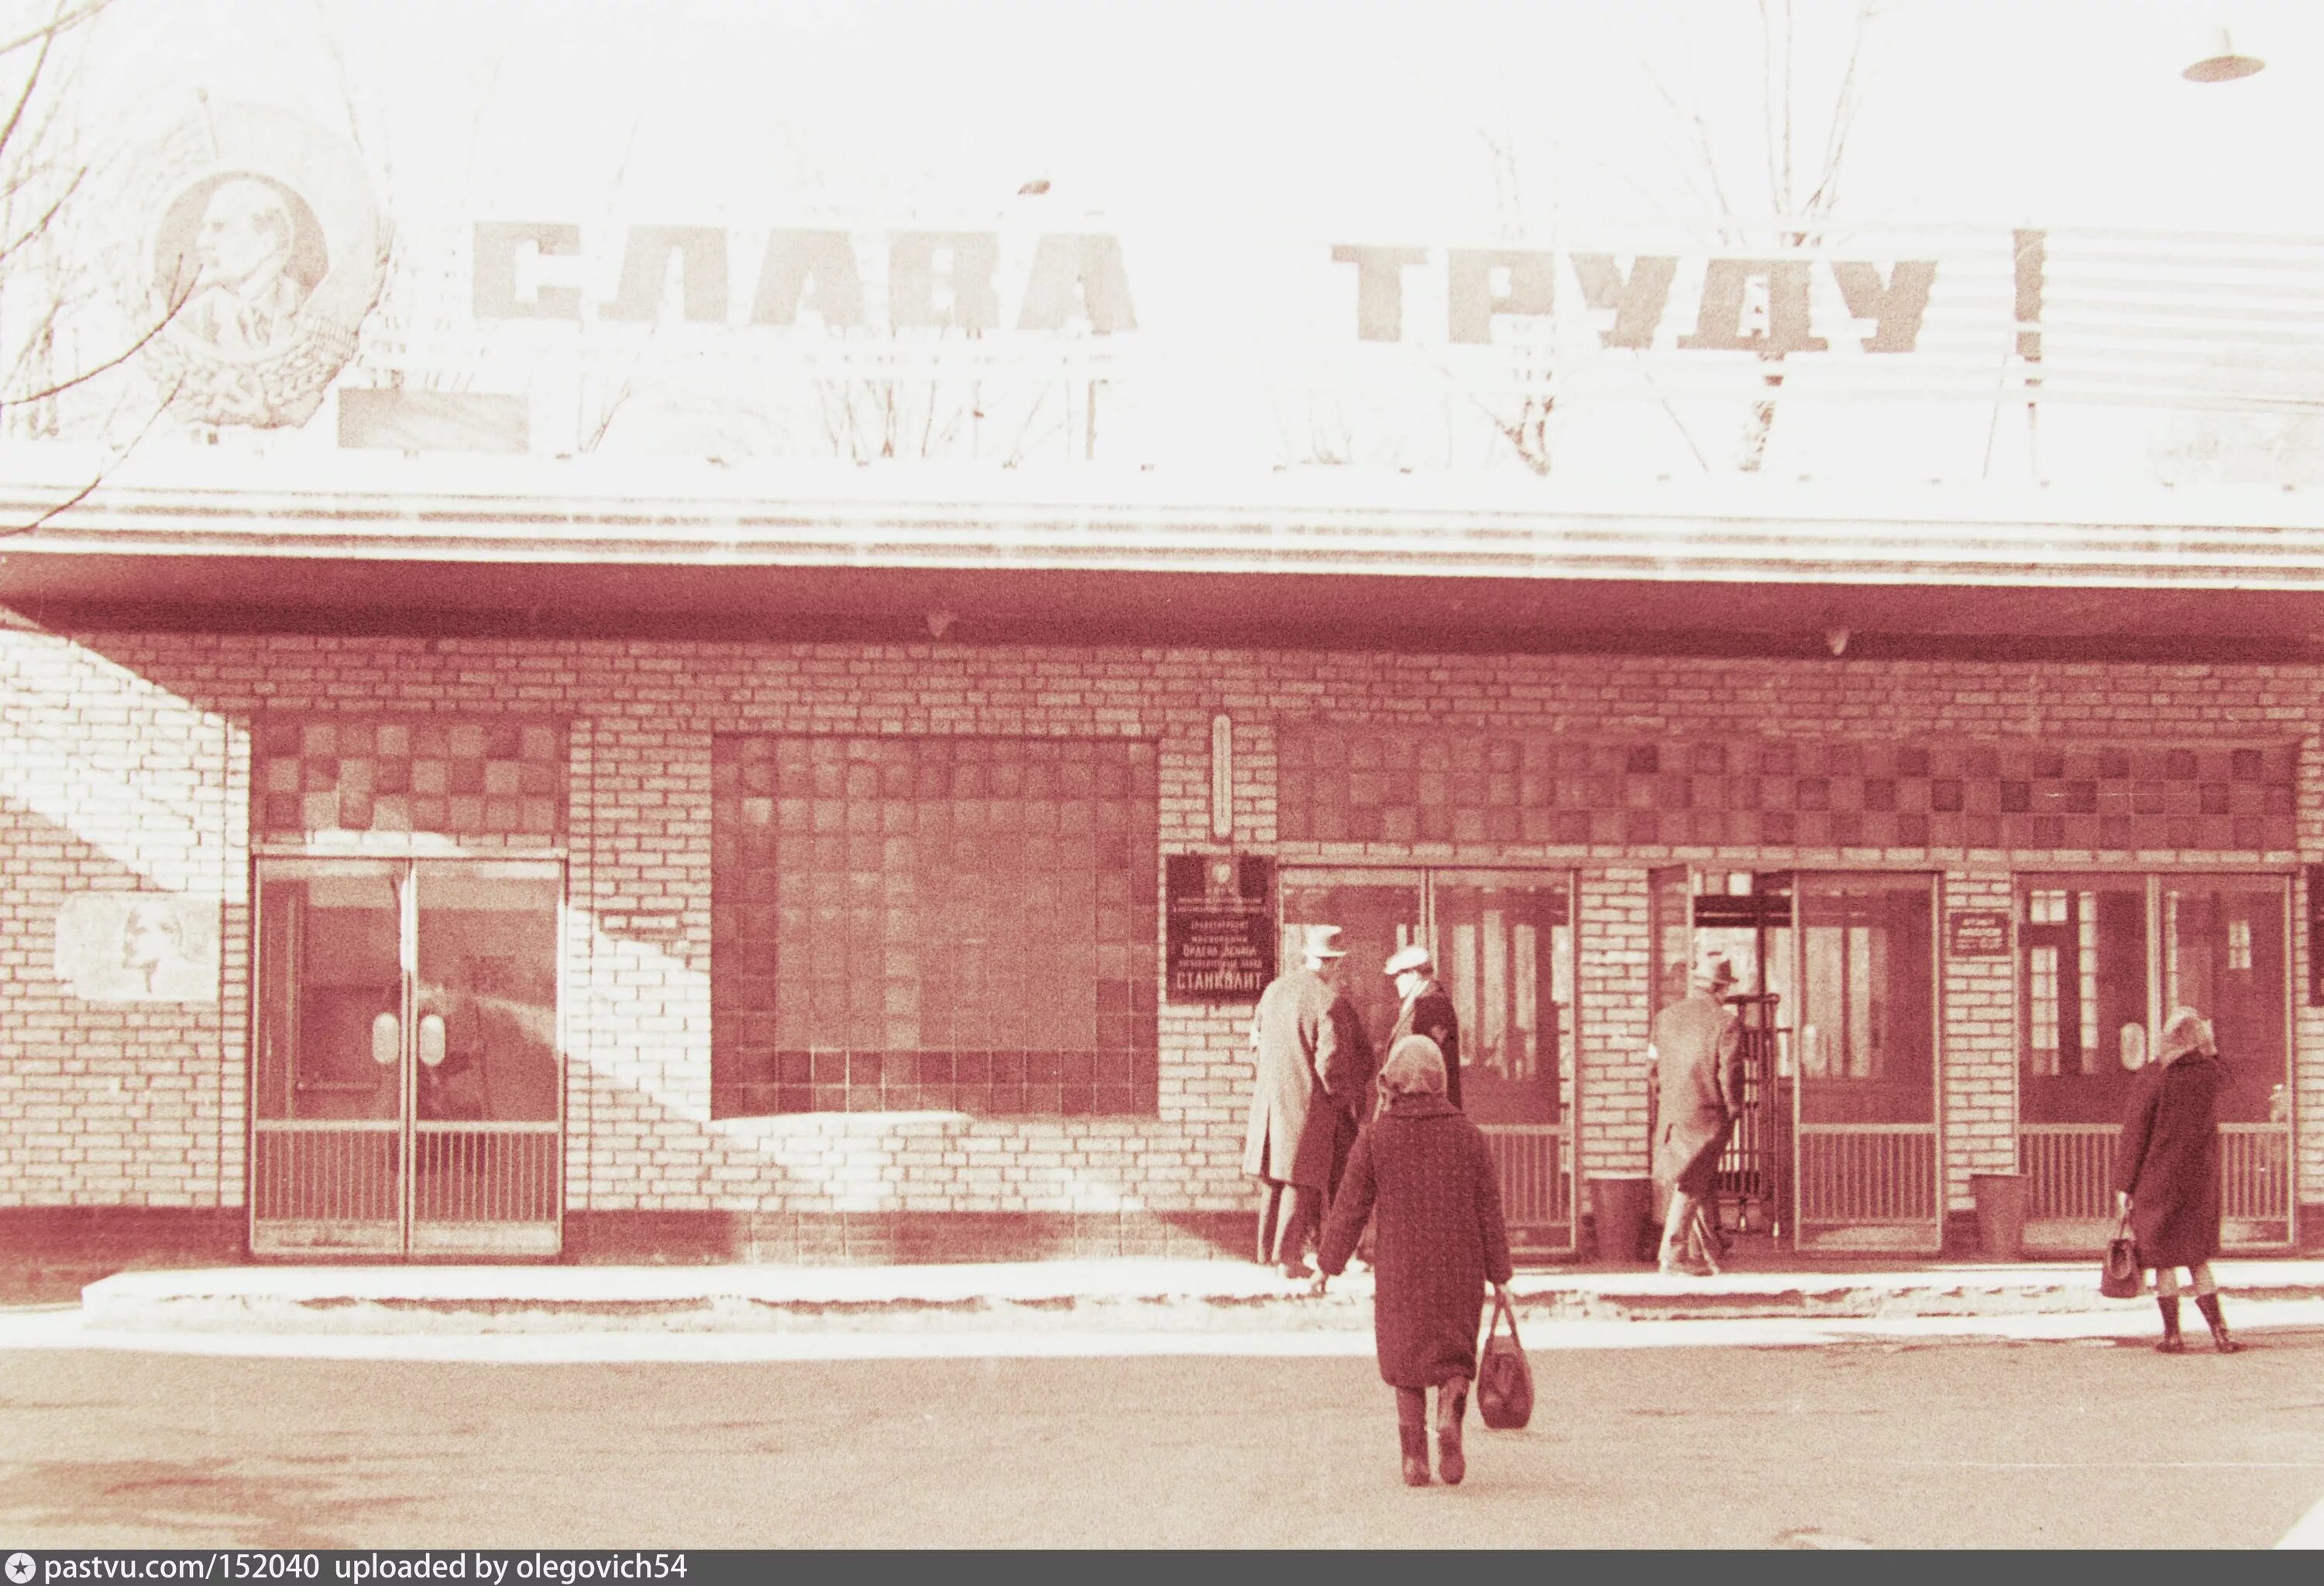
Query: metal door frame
pixel 1933 897
pixel 401 872
pixel 2078 1234
pixel 1424 880
pixel 1783 1209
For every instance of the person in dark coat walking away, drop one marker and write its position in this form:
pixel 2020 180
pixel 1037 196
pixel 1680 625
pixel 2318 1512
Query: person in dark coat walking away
pixel 1315 1069
pixel 2168 1160
pixel 1696 1081
pixel 1422 1172
pixel 1426 1012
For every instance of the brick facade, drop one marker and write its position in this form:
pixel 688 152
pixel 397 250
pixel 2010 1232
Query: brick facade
pixel 127 765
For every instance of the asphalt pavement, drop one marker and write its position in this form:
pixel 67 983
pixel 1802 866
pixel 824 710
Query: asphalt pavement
pixel 1906 1438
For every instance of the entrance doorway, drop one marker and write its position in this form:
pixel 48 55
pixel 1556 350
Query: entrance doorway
pixel 1836 988
pixel 2103 960
pixel 407 1088
pixel 1503 946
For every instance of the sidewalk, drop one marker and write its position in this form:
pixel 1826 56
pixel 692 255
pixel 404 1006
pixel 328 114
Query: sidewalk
pixel 1143 1296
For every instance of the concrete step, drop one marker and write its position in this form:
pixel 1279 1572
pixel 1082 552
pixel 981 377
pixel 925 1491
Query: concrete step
pixel 1155 1295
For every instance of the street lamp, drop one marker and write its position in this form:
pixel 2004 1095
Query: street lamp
pixel 2223 64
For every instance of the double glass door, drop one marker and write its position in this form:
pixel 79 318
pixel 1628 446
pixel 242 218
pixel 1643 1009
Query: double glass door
pixel 407 1091
pixel 1836 988
pixel 2104 959
pixel 1503 946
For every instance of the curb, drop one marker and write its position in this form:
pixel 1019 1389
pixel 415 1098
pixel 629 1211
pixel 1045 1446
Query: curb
pixel 418 1300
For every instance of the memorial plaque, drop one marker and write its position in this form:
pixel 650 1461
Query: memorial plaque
pixel 1219 945
pixel 1978 933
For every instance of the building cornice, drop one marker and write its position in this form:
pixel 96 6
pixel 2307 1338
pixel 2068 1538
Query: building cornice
pixel 1328 523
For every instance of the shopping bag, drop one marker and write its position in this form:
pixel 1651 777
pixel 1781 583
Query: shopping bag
pixel 1504 1374
pixel 2120 1279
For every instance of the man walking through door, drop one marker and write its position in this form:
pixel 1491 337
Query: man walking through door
pixel 1696 1051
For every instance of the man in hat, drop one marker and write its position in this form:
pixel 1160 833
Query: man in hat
pixel 1695 1048
pixel 1426 1012
pixel 1314 1070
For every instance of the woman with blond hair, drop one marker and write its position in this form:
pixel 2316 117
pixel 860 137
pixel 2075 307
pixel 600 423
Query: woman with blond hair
pixel 2168 1164
pixel 1422 1170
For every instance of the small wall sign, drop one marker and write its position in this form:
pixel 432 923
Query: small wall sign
pixel 1978 933
pixel 1219 942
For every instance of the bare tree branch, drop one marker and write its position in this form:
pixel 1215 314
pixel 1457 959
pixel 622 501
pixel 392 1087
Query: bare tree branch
pixel 38 228
pixel 63 22
pixel 86 375
pixel 103 474
pixel 32 82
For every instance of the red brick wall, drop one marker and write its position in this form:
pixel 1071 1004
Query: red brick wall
pixel 129 764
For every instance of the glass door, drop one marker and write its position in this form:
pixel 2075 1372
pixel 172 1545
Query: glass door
pixel 328 1076
pixel 486 1142
pixel 1867 1162
pixel 2103 959
pixel 1503 946
pixel 2226 946
pixel 1377 912
pixel 407 1096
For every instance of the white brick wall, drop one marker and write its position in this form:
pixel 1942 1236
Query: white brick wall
pixel 124 763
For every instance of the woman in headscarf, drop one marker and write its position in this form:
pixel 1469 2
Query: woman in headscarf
pixel 1422 1170
pixel 2168 1164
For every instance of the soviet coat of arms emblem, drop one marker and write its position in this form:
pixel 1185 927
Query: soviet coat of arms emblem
pixel 261 254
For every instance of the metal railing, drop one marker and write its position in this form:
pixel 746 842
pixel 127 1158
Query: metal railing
pixel 1537 1180
pixel 337 1171
pixel 486 1172
pixel 1857 1173
pixel 2071 1166
pixel 2072 1169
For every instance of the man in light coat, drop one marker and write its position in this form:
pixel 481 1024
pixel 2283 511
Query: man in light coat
pixel 1314 1070
pixel 1696 1048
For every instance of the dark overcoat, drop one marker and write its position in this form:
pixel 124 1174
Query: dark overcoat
pixel 1423 1174
pixel 1430 1014
pixel 1314 1068
pixel 2168 1158
pixel 1697 1085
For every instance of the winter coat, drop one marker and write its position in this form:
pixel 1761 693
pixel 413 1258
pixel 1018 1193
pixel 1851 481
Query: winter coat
pixel 1423 1173
pixel 1697 1085
pixel 1314 1071
pixel 2168 1158
pixel 1430 1014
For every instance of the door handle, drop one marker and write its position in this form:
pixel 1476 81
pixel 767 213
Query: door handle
pixel 386 1039
pixel 431 1038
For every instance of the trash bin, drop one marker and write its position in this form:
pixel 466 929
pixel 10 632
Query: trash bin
pixel 1618 1205
pixel 2000 1214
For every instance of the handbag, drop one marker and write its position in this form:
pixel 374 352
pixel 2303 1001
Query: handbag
pixel 2119 1278
pixel 1504 1374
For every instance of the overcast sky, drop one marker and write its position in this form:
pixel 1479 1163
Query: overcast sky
pixel 1215 133
pixel 1235 113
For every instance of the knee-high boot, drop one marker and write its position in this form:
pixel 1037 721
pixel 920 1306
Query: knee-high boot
pixel 2222 1340
pixel 2171 1344
pixel 1451 1407
pixel 1412 1433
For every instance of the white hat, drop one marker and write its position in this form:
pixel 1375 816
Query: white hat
pixel 1321 941
pixel 1412 957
